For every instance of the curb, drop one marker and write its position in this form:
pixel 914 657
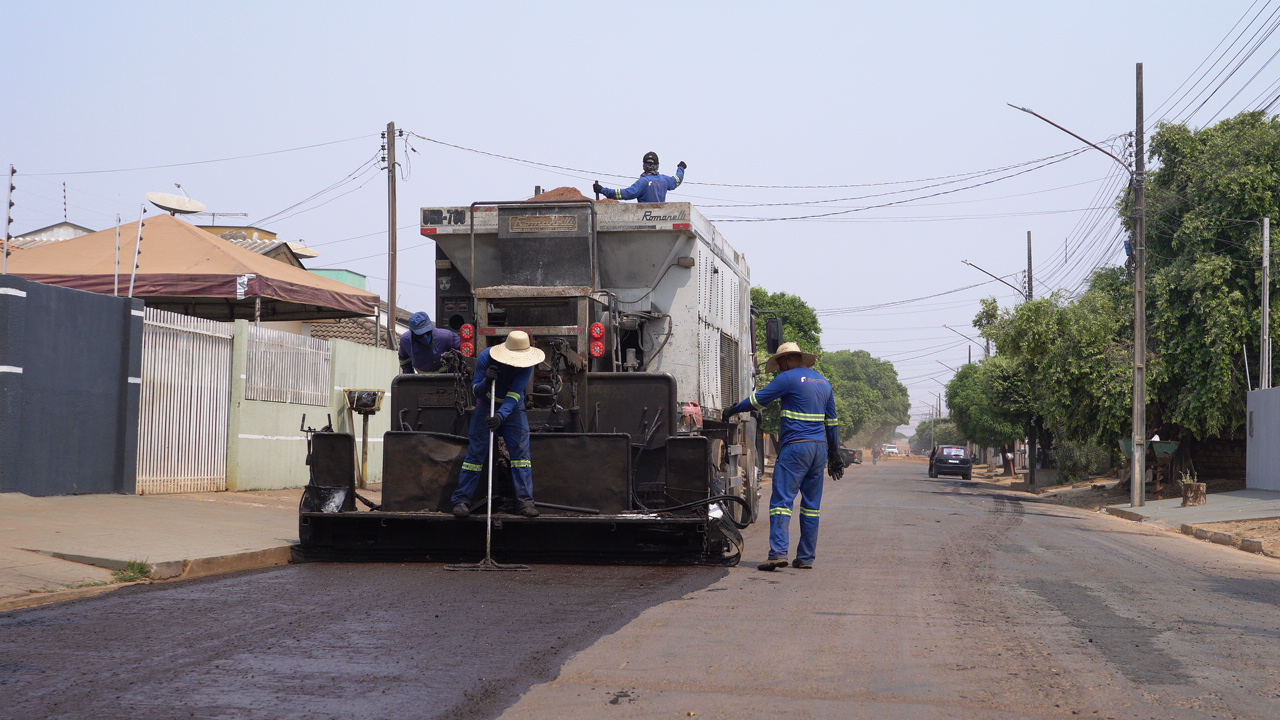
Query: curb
pixel 171 570
pixel 48 598
pixel 1249 545
pixel 1125 514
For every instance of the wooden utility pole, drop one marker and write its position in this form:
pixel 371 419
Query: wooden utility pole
pixel 1138 490
pixel 8 221
pixel 391 234
pixel 1265 370
pixel 1030 292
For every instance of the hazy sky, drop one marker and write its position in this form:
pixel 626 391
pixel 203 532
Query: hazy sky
pixel 868 96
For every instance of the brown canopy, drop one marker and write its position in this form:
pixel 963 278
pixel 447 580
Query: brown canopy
pixel 187 270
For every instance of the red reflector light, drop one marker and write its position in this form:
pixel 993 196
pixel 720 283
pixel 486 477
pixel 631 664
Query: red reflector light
pixel 597 349
pixel 597 331
pixel 469 349
pixel 682 226
pixel 467 331
pixel 428 231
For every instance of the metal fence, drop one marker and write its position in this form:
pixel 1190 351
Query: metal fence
pixel 185 401
pixel 283 367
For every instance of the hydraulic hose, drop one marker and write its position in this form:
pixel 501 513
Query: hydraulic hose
pixel 715 499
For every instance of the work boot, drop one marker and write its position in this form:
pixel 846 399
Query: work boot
pixel 772 564
pixel 802 564
pixel 461 510
pixel 527 509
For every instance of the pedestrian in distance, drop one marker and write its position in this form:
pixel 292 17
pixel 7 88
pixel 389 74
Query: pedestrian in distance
pixel 501 378
pixel 809 443
pixel 652 186
pixel 423 347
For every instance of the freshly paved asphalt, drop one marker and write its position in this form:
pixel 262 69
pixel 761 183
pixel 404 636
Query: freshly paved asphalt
pixel 929 599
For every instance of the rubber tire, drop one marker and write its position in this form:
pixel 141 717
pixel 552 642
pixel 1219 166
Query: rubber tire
pixel 932 473
pixel 967 476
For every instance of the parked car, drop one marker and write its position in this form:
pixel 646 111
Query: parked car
pixel 850 456
pixel 950 460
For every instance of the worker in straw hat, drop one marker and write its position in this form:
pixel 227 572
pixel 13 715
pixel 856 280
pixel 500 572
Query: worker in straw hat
pixel 808 441
pixel 501 377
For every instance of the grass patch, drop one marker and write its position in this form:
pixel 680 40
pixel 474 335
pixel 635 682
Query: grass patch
pixel 133 571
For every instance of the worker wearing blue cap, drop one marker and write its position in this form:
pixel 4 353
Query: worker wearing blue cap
pixel 423 346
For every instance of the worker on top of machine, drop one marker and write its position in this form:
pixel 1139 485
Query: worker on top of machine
pixel 652 187
pixel 509 366
pixel 809 435
pixel 425 344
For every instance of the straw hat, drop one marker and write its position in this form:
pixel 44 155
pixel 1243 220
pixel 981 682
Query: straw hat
pixel 789 348
pixel 516 351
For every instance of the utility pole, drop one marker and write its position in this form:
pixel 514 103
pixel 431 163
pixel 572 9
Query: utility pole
pixel 1265 371
pixel 1030 293
pixel 1138 490
pixel 390 146
pixel 8 221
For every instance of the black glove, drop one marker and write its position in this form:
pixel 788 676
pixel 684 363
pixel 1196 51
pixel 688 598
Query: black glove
pixel 725 415
pixel 491 374
pixel 682 166
pixel 597 188
pixel 835 466
pixel 495 422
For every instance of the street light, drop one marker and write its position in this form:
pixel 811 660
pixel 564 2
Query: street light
pixel 1137 493
pixel 986 347
pixel 1021 291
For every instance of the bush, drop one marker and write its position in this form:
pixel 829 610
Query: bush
pixel 1077 461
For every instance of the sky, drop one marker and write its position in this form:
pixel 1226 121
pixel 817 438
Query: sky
pixel 889 122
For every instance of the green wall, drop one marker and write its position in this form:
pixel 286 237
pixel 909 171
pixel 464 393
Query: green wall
pixel 266 447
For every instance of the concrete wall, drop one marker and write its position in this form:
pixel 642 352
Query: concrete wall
pixel 266 446
pixel 70 374
pixel 1262 431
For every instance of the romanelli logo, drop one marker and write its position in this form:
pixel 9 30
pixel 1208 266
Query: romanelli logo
pixel 543 223
pixel 650 217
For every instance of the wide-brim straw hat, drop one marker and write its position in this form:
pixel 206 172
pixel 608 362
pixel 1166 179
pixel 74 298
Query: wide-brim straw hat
pixel 517 351
pixel 789 348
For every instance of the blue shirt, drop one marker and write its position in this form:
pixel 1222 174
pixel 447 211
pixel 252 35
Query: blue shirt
pixel 512 383
pixel 649 188
pixel 808 406
pixel 425 356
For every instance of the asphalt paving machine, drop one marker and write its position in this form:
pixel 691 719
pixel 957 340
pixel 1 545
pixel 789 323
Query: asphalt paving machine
pixel 644 313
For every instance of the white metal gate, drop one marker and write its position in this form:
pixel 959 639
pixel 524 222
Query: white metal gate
pixel 289 368
pixel 186 399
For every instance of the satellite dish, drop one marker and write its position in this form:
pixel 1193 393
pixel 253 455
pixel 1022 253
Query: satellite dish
pixel 174 204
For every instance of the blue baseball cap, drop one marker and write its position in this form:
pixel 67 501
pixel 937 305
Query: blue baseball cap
pixel 420 323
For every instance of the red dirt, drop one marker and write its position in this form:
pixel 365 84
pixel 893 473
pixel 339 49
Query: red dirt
pixel 564 193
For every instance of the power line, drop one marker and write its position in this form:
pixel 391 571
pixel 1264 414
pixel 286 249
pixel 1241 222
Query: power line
pixel 200 162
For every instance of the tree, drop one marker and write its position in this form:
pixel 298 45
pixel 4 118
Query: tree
pixel 977 396
pixel 869 398
pixel 936 431
pixel 799 325
pixel 1204 206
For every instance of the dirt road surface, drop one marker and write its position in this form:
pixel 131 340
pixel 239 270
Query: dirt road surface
pixel 929 599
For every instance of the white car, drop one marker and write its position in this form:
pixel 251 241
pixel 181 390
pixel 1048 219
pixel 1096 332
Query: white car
pixel 890 450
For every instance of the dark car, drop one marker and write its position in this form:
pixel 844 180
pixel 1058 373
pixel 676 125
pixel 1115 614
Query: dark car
pixel 850 456
pixel 950 460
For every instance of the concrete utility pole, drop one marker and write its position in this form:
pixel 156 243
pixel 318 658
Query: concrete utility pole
pixel 1265 370
pixel 1138 489
pixel 1138 173
pixel 1030 292
pixel 391 234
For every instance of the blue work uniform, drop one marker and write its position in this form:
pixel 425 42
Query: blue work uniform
pixel 809 427
pixel 512 384
pixel 648 189
pixel 424 357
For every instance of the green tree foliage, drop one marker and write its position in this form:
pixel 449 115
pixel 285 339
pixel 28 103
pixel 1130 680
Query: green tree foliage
pixel 1204 207
pixel 869 398
pixel 976 396
pixel 868 394
pixel 940 431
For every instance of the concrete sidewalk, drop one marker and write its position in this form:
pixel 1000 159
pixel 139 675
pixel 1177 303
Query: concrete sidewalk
pixel 1219 507
pixel 50 545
